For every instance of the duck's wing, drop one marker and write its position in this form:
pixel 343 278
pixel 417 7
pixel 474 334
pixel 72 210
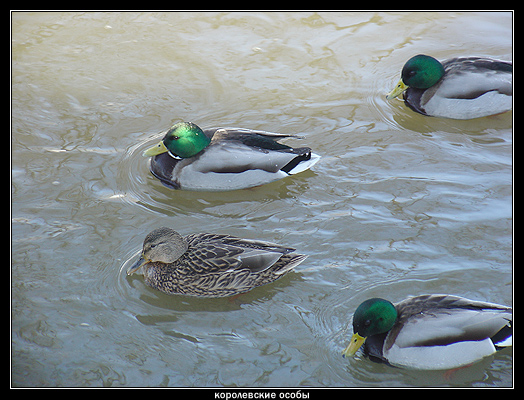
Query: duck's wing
pixel 212 253
pixel 443 331
pixel 472 77
pixel 255 153
pixel 472 87
pixel 443 319
pixel 237 157
pixel 262 139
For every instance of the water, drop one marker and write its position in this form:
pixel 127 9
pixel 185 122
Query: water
pixel 399 205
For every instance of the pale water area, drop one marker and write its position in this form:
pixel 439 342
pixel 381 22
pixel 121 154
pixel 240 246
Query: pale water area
pixel 400 204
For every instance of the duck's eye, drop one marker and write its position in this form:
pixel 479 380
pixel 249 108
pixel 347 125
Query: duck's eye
pixel 367 322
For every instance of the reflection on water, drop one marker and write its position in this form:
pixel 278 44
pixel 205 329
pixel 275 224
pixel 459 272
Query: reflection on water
pixel 400 204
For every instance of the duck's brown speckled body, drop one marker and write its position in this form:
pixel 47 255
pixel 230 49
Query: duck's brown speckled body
pixel 211 265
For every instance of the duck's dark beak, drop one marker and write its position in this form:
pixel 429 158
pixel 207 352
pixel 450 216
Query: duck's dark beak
pixel 136 266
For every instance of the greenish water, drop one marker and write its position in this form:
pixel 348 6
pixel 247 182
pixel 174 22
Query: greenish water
pixel 399 204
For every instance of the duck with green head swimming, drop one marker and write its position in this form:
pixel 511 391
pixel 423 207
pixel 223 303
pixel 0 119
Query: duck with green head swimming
pixel 459 88
pixel 220 159
pixel 430 331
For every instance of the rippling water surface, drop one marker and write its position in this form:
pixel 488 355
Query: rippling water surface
pixel 400 204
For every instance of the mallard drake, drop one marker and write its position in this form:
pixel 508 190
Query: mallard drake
pixel 224 158
pixel 459 88
pixel 430 331
pixel 211 265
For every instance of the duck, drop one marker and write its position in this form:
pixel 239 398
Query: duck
pixel 210 265
pixel 430 332
pixel 458 88
pixel 221 159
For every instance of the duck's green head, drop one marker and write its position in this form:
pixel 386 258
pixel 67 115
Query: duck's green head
pixel 420 72
pixel 372 317
pixel 184 140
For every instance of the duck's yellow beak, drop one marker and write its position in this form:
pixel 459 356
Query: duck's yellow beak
pixel 136 266
pixel 354 345
pixel 155 150
pixel 399 89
